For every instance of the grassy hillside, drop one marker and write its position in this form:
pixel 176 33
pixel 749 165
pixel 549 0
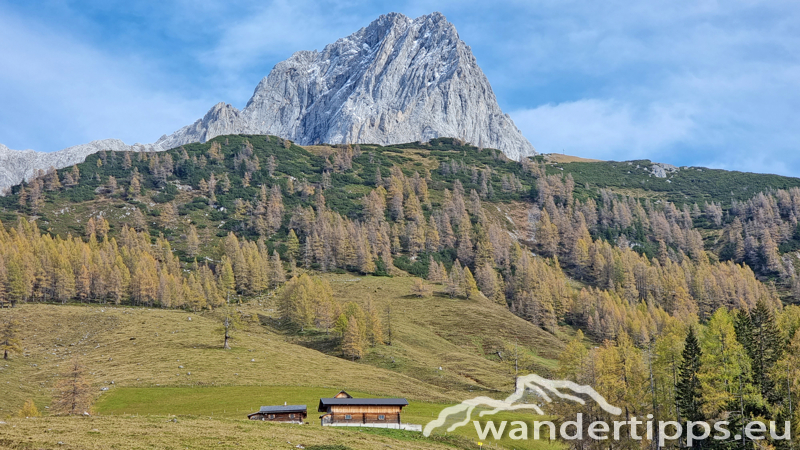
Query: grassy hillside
pixel 460 336
pixel 167 362
pixel 147 347
pixel 155 347
pixel 141 347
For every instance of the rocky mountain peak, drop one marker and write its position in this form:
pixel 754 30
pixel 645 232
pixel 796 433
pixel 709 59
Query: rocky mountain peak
pixel 396 80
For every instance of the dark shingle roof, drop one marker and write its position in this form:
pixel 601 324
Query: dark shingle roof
pixel 282 409
pixel 325 402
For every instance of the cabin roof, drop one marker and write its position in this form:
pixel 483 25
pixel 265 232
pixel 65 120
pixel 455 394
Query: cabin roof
pixel 281 409
pixel 325 402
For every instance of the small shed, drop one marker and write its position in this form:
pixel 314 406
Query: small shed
pixel 282 414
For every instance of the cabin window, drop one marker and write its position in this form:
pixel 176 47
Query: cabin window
pixel 347 417
pixel 272 416
pixel 291 416
pixel 381 417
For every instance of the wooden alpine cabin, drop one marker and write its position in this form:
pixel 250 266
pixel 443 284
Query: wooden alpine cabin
pixel 344 410
pixel 281 414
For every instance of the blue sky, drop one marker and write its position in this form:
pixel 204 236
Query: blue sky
pixel 710 83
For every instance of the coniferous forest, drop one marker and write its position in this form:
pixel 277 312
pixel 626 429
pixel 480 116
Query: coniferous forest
pixel 673 296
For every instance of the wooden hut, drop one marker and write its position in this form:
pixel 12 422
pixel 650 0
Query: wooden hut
pixel 344 410
pixel 282 414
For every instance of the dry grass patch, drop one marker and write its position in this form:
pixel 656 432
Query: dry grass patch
pixel 153 347
pixel 460 336
pixel 164 432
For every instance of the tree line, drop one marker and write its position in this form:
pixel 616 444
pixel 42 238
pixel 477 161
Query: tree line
pixel 133 269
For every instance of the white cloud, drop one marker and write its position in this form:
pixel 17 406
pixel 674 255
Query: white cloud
pixel 712 132
pixel 65 92
pixel 279 28
pixel 744 160
pixel 605 129
pixel 250 43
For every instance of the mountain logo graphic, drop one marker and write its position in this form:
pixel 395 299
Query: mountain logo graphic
pixel 543 388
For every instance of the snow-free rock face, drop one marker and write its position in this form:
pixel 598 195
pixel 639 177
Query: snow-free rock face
pixel 397 80
pixel 19 165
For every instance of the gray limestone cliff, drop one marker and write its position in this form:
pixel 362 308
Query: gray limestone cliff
pixel 397 80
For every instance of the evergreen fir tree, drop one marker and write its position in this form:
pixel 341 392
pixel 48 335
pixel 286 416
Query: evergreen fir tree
pixel 766 348
pixel 688 396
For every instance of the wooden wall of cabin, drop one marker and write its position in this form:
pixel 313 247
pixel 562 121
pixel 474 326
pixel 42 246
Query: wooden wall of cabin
pixel 364 418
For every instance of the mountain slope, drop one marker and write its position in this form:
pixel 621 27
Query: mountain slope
pixel 426 334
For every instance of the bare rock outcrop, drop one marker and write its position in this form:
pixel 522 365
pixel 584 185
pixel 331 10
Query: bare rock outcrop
pixel 397 80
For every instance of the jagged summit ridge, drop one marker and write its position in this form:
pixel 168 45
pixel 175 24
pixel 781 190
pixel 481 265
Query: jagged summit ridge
pixel 396 80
